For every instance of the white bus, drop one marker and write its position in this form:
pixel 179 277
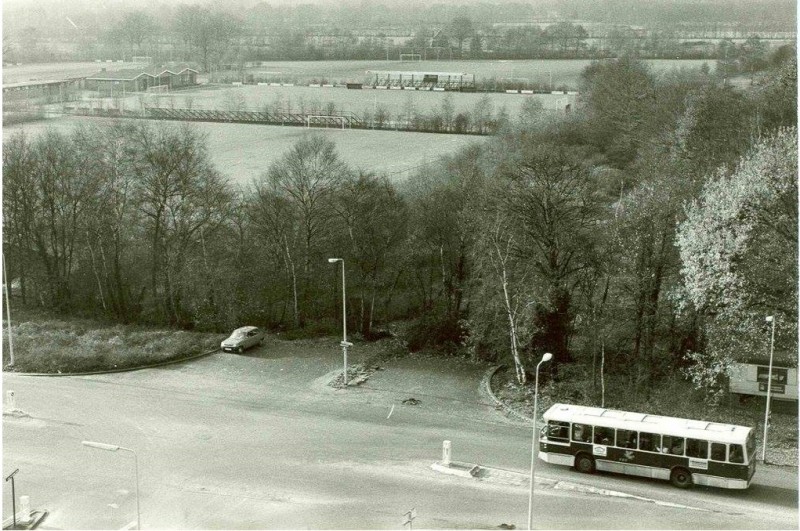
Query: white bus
pixel 682 451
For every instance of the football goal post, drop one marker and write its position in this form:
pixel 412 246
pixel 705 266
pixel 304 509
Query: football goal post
pixel 410 57
pixel 320 120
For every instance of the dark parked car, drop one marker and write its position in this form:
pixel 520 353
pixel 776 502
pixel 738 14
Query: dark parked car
pixel 243 338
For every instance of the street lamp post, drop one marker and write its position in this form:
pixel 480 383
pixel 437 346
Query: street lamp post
pixel 114 448
pixel 546 357
pixel 6 289
pixel 770 319
pixel 344 342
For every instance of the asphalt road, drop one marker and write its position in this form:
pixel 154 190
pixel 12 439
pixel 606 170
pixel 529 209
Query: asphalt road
pixel 259 441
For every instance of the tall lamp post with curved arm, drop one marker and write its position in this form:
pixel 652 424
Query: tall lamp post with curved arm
pixel 344 342
pixel 546 357
pixel 114 448
pixel 771 320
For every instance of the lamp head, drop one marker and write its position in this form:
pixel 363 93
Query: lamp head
pixel 547 357
pixel 769 318
pixel 101 446
pixel 333 260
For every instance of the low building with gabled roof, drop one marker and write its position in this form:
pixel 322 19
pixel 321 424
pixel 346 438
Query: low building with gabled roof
pixel 141 79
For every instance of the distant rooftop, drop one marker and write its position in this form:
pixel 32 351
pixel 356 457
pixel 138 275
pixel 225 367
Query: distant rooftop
pixel 45 73
pixel 128 74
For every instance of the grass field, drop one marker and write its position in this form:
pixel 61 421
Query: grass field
pixel 564 72
pixel 54 71
pixel 317 99
pixel 242 152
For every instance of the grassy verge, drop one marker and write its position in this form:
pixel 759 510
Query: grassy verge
pixel 44 343
pixel 671 397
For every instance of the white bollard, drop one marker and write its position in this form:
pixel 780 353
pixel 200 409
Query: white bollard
pixel 24 509
pixel 446 453
pixel 11 402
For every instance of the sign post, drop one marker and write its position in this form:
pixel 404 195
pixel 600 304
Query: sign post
pixel 13 497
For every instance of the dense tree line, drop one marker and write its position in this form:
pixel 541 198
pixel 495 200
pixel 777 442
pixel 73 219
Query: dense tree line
pixel 655 227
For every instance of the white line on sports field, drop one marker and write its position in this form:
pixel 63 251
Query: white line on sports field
pixel 390 412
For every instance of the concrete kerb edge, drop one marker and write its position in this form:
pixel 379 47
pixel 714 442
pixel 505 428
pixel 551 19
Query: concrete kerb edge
pixel 465 470
pixel 486 385
pixel 111 371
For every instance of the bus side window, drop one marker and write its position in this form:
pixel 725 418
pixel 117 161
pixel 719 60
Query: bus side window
pixel 604 436
pixel 697 448
pixel 626 439
pixel 581 433
pixel 736 455
pixel 650 442
pixel 672 445
pixel 718 451
pixel 558 430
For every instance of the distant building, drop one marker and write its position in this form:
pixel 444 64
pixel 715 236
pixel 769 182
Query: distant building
pixel 141 79
pixel 41 91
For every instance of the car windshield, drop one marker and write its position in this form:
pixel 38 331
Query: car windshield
pixel 238 333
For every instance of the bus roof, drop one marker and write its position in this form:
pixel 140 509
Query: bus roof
pixel 627 420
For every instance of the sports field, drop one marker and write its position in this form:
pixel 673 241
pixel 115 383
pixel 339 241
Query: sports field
pixel 324 100
pixel 57 71
pixel 564 72
pixel 242 152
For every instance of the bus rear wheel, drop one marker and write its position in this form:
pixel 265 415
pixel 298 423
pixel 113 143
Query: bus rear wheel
pixel 681 478
pixel 584 463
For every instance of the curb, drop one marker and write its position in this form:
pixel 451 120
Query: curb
pixel 485 473
pixel 111 371
pixel 457 468
pixel 36 518
pixel 486 385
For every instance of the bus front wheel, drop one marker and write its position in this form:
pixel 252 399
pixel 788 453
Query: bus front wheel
pixel 681 478
pixel 584 463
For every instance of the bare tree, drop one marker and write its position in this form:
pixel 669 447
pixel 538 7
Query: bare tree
pixel 275 219
pixel 375 220
pixel 461 29
pixel 180 194
pixel 307 177
pixel 136 27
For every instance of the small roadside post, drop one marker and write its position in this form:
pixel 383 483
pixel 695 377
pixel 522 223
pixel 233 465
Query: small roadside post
pixel 409 519
pixel 13 498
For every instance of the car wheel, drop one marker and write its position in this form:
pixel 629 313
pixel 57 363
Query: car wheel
pixel 681 478
pixel 584 463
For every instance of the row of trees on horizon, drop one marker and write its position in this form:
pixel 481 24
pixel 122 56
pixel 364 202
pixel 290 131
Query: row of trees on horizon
pixel 656 226
pixel 214 38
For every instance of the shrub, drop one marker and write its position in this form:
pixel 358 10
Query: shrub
pixel 55 345
pixel 432 331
